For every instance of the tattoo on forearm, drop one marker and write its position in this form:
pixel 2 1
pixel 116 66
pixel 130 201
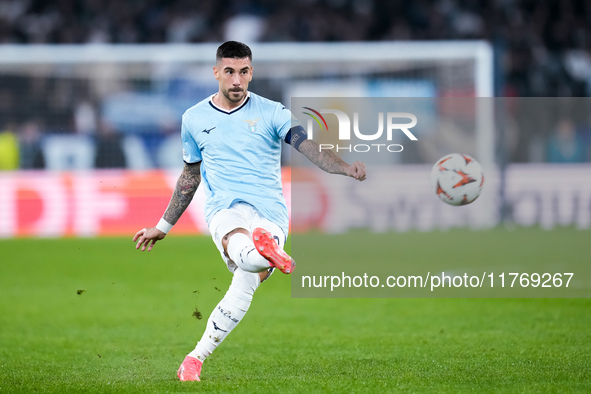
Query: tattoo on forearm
pixel 326 160
pixel 183 193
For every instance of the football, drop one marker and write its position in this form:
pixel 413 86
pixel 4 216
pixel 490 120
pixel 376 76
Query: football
pixel 457 179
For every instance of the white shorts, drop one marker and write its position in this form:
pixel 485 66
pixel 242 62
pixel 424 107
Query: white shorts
pixel 240 215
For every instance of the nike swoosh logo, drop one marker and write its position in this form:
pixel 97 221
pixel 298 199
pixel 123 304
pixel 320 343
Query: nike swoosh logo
pixel 207 131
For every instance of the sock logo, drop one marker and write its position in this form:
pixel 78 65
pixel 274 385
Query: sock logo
pixel 215 326
pixel 226 314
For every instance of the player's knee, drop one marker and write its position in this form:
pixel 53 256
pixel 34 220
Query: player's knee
pixel 226 238
pixel 264 275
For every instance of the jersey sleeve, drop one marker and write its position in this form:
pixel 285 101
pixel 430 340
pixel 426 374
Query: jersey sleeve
pixel 282 121
pixel 292 131
pixel 191 152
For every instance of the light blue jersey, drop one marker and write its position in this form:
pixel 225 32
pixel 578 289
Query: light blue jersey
pixel 240 154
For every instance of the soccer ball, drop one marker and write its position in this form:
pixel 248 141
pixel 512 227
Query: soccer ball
pixel 457 179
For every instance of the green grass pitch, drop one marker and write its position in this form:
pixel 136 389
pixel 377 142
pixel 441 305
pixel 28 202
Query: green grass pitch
pixel 95 315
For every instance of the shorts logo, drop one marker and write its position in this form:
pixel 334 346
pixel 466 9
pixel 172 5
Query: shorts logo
pixel 252 124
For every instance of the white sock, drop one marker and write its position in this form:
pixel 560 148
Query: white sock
pixel 242 251
pixel 228 313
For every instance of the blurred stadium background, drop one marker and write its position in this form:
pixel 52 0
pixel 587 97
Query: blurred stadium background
pixel 91 94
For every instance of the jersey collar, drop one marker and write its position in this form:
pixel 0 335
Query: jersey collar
pixel 232 110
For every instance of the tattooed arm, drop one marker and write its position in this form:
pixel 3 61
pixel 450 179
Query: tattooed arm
pixel 328 161
pixel 184 191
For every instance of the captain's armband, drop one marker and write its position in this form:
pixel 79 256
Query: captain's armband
pixel 295 136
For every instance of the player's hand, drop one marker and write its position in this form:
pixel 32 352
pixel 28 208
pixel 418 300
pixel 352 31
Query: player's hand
pixel 357 171
pixel 147 237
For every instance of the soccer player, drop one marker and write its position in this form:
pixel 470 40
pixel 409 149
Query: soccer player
pixel 232 144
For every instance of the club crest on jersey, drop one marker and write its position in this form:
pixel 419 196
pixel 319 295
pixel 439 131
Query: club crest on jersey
pixel 252 124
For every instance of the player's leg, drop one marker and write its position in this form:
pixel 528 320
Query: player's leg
pixel 230 310
pixel 269 247
pixel 269 240
pixel 239 247
pixel 230 230
pixel 251 252
pixel 224 318
pixel 257 251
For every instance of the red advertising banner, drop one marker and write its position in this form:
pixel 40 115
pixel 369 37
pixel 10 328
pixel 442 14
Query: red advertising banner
pixel 120 202
pixel 87 204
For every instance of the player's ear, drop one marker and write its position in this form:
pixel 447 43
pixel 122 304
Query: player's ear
pixel 216 73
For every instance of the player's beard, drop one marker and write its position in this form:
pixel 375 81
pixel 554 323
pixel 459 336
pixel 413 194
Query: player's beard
pixel 232 98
